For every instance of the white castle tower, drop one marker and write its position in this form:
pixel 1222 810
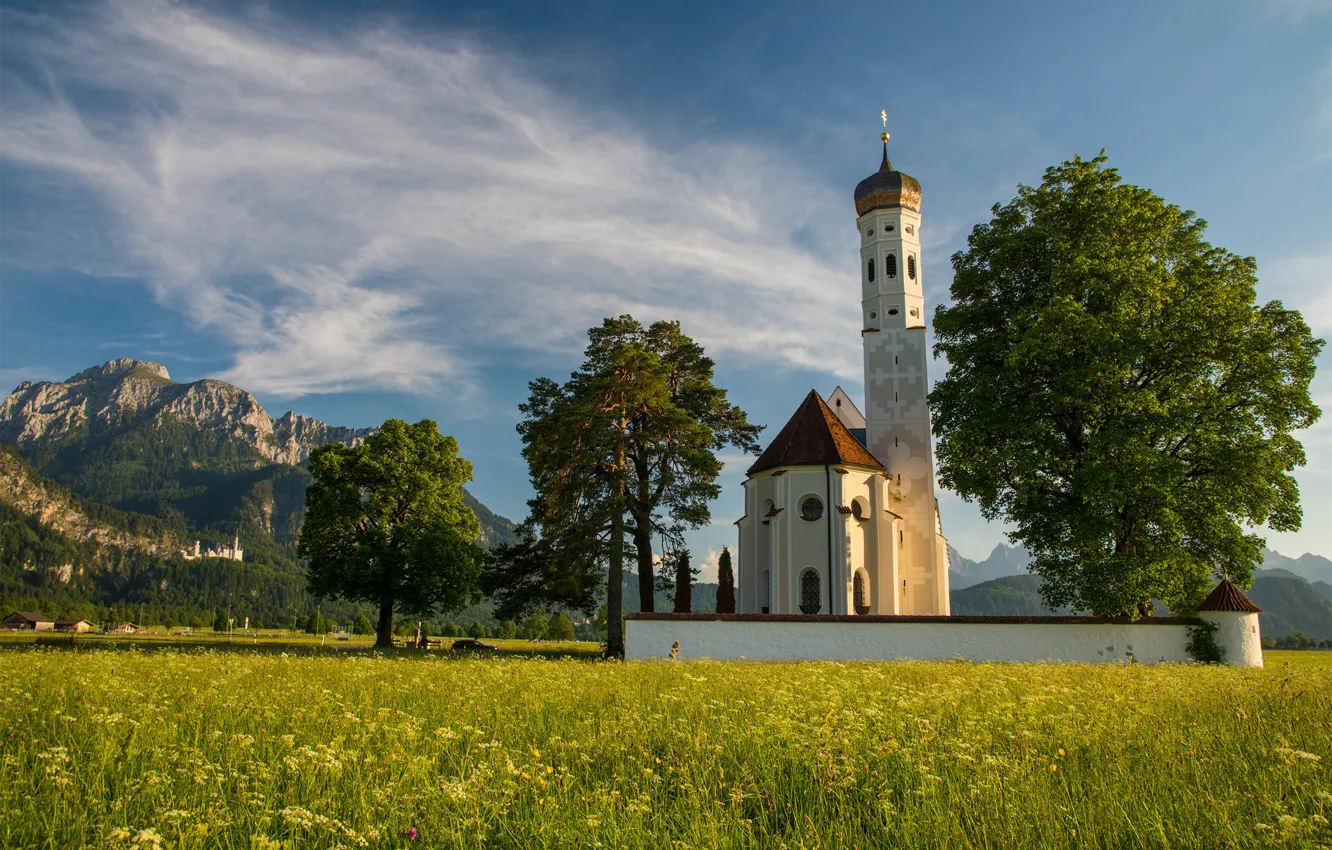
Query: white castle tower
pixel 840 515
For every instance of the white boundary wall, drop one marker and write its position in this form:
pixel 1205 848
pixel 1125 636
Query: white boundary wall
pixel 753 638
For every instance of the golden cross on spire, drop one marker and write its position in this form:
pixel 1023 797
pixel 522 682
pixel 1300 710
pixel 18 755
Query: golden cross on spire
pixel 883 113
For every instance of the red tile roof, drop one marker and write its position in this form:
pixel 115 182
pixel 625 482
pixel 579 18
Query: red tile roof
pixel 1227 597
pixel 814 436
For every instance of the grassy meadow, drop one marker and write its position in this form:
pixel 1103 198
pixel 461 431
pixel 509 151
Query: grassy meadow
pixel 236 748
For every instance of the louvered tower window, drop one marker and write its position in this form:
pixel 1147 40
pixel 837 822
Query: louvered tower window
pixel 911 266
pixel 870 269
pixel 890 266
pixel 809 592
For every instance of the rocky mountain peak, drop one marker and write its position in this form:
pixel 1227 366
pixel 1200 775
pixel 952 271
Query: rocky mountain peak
pixel 124 367
pixel 127 392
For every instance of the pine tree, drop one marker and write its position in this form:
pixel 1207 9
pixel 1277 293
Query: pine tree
pixel 725 584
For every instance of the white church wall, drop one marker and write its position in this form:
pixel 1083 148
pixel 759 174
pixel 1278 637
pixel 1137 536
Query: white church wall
pixel 872 639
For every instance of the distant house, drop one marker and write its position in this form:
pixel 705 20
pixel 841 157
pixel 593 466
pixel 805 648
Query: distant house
pixel 79 626
pixel 127 629
pixel 29 621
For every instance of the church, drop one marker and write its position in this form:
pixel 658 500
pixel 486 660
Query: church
pixel 840 512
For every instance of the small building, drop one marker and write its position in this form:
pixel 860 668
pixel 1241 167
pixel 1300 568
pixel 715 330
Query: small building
pixel 126 629
pixel 77 626
pixel 29 621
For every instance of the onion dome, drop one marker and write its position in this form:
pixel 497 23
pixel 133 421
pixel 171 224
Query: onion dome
pixel 887 189
pixel 1227 597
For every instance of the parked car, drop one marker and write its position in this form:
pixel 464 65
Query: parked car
pixel 472 645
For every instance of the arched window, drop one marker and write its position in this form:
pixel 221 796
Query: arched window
pixel 870 269
pixel 767 591
pixel 861 592
pixel 890 266
pixel 911 266
pixel 809 592
pixel 811 509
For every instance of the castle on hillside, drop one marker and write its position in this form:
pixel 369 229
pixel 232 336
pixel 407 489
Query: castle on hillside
pixel 840 512
pixel 231 553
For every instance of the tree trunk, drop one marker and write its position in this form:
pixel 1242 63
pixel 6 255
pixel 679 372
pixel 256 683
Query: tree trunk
pixel 643 543
pixel 384 637
pixel 615 585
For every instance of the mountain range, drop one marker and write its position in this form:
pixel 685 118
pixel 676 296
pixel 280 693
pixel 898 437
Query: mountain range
pixel 106 476
pixel 110 473
pixel 1294 593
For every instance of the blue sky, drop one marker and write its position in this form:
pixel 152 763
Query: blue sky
pixel 411 209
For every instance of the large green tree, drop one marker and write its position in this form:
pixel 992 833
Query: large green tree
pixel 625 450
pixel 386 523
pixel 1116 393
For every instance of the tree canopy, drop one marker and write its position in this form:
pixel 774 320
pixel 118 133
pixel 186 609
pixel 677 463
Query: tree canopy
pixel 622 452
pixel 386 523
pixel 1117 393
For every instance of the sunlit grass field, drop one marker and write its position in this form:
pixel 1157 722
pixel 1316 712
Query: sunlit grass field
pixel 191 748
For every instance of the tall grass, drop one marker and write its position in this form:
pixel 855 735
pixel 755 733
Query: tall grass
pixel 194 749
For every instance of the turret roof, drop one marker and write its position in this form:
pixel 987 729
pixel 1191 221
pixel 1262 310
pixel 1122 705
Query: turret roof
pixel 814 436
pixel 1227 597
pixel 887 189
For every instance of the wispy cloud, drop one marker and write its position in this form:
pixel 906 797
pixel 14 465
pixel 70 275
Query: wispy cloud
pixel 388 209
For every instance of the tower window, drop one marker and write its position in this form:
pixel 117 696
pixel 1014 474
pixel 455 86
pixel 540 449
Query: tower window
pixel 910 229
pixel 888 229
pixel 809 592
pixel 911 266
pixel 811 509
pixel 892 311
pixel 890 266
pixel 874 314
pixel 870 268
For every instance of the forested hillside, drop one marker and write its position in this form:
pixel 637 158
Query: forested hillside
pixel 131 467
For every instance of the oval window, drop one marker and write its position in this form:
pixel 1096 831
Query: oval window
pixel 873 315
pixel 888 229
pixel 811 509
pixel 892 311
pixel 857 509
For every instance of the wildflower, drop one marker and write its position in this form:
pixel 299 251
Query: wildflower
pixel 411 834
pixel 1053 768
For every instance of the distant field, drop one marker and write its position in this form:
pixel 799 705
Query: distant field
pixel 190 748
pixel 277 640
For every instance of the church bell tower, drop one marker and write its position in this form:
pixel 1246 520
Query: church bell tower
pixel 896 357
